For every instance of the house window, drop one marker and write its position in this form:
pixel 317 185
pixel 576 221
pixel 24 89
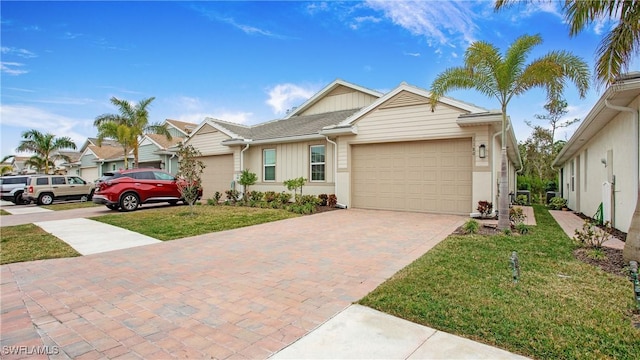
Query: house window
pixel 317 163
pixel 113 167
pixel 269 164
pixel 573 175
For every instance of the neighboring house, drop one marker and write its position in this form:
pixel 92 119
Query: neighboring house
pixel 62 166
pixel 20 167
pixel 373 150
pixel 158 152
pixel 599 164
pixel 95 160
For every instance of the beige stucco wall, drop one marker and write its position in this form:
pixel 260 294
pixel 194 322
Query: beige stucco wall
pixel 612 144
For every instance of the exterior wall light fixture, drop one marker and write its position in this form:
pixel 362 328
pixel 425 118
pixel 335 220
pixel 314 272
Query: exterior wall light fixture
pixel 482 151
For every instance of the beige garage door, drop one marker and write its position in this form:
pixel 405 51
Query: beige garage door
pixel 423 176
pixel 217 175
pixel 89 174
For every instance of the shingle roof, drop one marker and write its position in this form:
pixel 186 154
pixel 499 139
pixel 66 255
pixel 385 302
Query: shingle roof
pixel 293 126
pixel 106 152
pixel 187 127
pixel 163 142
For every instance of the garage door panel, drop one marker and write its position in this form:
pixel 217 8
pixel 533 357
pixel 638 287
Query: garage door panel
pixel 427 176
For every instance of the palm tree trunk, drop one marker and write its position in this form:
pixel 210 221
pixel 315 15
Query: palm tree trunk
pixel 503 196
pixel 632 245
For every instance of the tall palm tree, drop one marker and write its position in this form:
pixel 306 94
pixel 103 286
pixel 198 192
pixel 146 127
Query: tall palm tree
pixel 135 119
pixel 119 132
pixel 44 145
pixel 618 46
pixel 504 76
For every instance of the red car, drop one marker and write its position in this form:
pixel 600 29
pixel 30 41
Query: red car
pixel 128 189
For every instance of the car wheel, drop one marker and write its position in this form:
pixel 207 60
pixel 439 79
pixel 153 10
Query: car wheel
pixel 18 199
pixel 173 202
pixel 84 198
pixel 90 195
pixel 129 202
pixel 113 207
pixel 45 199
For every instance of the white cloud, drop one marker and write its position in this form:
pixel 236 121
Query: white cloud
pixel 358 21
pixel 438 21
pixel 247 29
pixel 284 96
pixel 413 54
pixel 25 117
pixel 234 117
pixel 23 53
pixel 12 68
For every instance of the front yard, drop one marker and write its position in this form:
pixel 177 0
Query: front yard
pixel 560 308
pixel 29 242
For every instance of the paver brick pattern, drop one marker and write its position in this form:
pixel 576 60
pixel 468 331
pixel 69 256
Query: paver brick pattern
pixel 244 293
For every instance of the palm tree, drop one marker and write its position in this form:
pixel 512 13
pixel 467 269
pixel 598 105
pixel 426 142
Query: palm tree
pixel 504 76
pixel 119 132
pixel 132 122
pixel 5 168
pixel 617 48
pixel 43 145
pixel 35 162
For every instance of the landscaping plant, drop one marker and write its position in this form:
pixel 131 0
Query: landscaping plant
pixel 295 184
pixel 191 170
pixel 247 178
pixel 485 208
pixel 332 201
pixel 557 203
pixel 471 226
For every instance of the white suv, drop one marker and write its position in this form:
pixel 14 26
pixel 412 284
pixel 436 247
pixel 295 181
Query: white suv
pixel 12 187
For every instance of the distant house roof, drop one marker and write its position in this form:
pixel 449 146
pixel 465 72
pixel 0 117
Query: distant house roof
pixel 279 130
pixel 162 141
pixel 94 142
pixel 185 127
pixel 106 152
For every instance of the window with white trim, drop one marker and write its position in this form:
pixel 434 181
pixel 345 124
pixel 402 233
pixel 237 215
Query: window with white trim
pixel 317 162
pixel 269 165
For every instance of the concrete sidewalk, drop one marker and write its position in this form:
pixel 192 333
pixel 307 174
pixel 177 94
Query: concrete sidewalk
pixel 570 222
pixel 93 237
pixel 360 332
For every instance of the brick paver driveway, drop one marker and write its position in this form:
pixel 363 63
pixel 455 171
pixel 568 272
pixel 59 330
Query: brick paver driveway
pixel 245 293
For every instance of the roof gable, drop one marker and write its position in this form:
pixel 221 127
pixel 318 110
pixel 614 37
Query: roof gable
pixel 337 87
pixel 184 127
pixel 407 95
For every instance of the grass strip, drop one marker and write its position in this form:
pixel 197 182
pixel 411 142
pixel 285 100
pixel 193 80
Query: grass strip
pixel 177 222
pixel 70 205
pixel 561 308
pixel 29 242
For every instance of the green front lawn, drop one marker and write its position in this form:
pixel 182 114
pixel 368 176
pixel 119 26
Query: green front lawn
pixel 4 212
pixel 562 308
pixel 177 222
pixel 29 242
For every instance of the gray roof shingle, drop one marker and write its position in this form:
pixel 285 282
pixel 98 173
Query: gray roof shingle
pixel 283 128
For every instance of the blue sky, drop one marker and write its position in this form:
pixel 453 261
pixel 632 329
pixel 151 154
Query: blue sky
pixel 248 62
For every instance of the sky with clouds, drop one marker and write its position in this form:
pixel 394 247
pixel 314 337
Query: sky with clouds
pixel 249 62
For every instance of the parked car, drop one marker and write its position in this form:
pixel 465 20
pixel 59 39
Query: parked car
pixel 12 188
pixel 128 189
pixel 45 189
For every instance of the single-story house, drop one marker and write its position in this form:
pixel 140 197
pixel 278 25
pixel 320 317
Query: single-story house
pixel 156 151
pixel 153 151
pixel 373 150
pixel 598 166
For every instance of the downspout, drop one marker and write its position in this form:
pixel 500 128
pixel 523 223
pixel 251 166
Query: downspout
pixel 172 156
pixel 335 170
pixel 493 169
pixel 242 161
pixel 636 164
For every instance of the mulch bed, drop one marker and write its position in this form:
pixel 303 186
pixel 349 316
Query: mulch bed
pixel 612 263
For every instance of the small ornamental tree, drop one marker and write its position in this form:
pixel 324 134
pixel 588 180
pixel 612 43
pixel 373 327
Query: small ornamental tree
pixel 190 174
pixel 294 185
pixel 247 178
